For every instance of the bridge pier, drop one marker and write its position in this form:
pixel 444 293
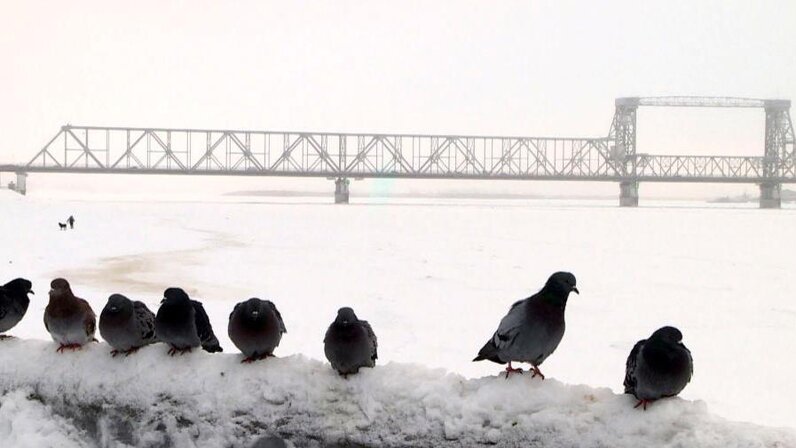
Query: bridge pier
pixel 770 195
pixel 21 186
pixel 628 194
pixel 341 190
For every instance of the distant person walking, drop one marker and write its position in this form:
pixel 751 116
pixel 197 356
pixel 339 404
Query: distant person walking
pixel 71 222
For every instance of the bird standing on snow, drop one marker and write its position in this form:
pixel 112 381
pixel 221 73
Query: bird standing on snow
pixel 533 328
pixel 69 320
pixel 256 327
pixel 350 343
pixel 126 325
pixel 183 324
pixel 14 303
pixel 658 367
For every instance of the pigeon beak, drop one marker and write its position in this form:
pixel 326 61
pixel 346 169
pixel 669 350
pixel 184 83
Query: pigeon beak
pixel 575 290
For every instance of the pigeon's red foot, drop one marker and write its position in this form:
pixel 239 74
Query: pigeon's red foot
pixel 70 347
pixel 537 372
pixel 173 351
pixel 643 404
pixel 114 352
pixel 131 351
pixel 251 359
pixel 510 370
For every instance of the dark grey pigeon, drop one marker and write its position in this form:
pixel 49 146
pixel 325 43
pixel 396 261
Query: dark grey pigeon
pixel 533 328
pixel 350 343
pixel 256 327
pixel 183 324
pixel 658 367
pixel 126 325
pixel 14 303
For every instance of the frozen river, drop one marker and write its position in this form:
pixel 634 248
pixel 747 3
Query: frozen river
pixel 434 277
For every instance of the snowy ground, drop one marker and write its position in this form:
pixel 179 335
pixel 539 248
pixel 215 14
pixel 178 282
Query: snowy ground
pixel 203 400
pixel 435 277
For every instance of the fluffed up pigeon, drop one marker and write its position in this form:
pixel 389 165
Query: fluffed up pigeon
pixel 69 320
pixel 350 343
pixel 183 324
pixel 126 325
pixel 256 327
pixel 533 328
pixel 14 303
pixel 658 367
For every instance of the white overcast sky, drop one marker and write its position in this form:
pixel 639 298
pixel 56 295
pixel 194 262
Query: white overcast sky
pixel 520 68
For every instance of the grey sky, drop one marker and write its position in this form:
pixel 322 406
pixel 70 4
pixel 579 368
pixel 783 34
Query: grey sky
pixel 520 68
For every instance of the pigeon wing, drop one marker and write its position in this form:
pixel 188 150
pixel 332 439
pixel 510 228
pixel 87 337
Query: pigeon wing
pixel 235 310
pixel 4 303
pixel 510 325
pixel 278 317
pixel 630 367
pixel 690 361
pixel 89 318
pixel 145 319
pixel 374 343
pixel 204 329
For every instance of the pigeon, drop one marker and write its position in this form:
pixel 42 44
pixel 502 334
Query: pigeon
pixel 14 303
pixel 256 327
pixel 658 367
pixel 183 324
pixel 126 325
pixel 533 327
pixel 69 320
pixel 350 343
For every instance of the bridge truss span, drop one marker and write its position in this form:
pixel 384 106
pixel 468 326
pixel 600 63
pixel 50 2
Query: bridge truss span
pixel 195 151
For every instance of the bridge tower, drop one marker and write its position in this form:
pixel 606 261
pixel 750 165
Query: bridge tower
pixel 623 153
pixel 778 160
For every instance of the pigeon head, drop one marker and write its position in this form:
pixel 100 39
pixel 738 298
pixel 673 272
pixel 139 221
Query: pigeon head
pixel 19 286
pixel 668 334
pixel 175 295
pixel 255 309
pixel 60 286
pixel 346 316
pixel 561 284
pixel 119 304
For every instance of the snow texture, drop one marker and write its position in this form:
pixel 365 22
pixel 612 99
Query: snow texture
pixel 150 399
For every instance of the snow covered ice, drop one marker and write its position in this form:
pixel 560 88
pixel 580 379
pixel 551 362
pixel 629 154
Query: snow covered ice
pixel 433 278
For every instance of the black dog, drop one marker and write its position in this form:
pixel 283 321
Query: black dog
pixel 62 226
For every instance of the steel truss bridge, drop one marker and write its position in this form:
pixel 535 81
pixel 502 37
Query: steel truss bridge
pixel 340 156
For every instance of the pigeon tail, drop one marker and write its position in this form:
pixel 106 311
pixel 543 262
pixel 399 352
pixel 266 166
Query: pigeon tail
pixel 204 329
pixel 490 352
pixel 211 344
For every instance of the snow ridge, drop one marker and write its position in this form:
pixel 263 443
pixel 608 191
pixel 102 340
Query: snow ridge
pixel 150 399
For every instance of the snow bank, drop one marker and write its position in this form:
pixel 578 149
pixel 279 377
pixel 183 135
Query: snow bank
pixel 150 399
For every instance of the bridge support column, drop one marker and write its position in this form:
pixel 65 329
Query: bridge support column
pixel 628 194
pixel 21 186
pixel 770 195
pixel 341 190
